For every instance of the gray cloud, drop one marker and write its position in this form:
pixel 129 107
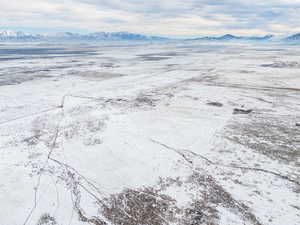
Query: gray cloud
pixel 159 17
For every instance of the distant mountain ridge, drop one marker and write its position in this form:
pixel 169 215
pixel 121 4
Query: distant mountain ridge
pixel 230 37
pixel 68 36
pixel 7 35
pixel 295 37
pixel 103 36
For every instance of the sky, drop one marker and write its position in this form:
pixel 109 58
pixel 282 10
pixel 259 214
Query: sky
pixel 172 18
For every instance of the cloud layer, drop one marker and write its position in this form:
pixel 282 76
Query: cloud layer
pixel 157 17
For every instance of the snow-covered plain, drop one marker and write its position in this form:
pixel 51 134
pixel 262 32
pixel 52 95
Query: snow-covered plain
pixel 146 134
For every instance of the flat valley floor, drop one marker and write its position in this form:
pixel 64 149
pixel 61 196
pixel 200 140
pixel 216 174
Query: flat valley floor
pixel 149 134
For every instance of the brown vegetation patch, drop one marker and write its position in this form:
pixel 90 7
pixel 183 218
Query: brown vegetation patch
pixel 275 137
pixel 46 219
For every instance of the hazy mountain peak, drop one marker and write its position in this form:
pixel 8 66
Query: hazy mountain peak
pixel 11 33
pixel 228 36
pixel 295 37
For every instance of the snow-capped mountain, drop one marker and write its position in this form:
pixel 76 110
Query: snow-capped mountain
pixel 106 36
pixel 295 37
pixel 8 35
pixel 230 37
pixel 68 36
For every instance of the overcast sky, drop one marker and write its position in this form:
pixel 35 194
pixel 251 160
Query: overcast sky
pixel 181 18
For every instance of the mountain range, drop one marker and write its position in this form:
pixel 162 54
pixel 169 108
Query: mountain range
pixel 7 35
pixel 295 37
pixel 230 37
pixel 68 36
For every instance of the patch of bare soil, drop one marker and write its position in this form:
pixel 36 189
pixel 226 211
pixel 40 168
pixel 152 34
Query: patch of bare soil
pixel 43 130
pixel 46 219
pixel 151 205
pixel 274 136
pixel 96 75
pixel 135 207
pixel 282 64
